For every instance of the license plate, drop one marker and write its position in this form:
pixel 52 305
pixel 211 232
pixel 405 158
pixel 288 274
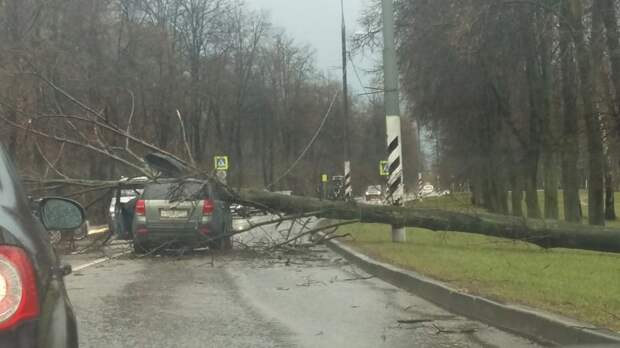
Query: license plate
pixel 173 214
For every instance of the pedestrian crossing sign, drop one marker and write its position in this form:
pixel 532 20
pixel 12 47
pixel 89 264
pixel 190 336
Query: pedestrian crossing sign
pixel 384 168
pixel 221 163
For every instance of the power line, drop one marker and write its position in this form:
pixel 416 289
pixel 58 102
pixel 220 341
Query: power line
pixel 359 80
pixel 312 141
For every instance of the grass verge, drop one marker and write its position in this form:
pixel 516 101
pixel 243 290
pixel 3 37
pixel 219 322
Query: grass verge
pixel 579 284
pixel 462 202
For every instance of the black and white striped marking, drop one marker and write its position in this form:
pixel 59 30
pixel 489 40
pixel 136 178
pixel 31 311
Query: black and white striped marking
pixel 395 179
pixel 348 189
pixel 420 184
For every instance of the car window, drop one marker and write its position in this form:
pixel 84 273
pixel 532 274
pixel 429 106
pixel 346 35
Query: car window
pixel 174 191
pixel 131 193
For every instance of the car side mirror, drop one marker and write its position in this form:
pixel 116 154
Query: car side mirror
pixel 61 214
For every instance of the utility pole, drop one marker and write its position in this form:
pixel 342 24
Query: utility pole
pixel 348 188
pixel 396 183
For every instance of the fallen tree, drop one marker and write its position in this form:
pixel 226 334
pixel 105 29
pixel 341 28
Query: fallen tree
pixel 545 233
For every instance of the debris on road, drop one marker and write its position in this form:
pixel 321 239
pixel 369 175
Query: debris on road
pixel 414 321
pixel 464 330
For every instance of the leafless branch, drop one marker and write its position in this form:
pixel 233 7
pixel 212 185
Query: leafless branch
pixel 315 230
pixel 128 130
pixel 112 129
pixel 70 97
pixel 77 143
pixel 51 165
pixel 185 140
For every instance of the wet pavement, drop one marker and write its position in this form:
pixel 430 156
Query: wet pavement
pixel 248 299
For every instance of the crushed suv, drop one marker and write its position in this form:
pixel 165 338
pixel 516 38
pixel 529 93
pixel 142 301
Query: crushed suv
pixel 187 212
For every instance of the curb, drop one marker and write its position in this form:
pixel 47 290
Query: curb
pixel 538 326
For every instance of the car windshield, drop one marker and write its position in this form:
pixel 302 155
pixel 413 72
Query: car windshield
pixel 131 193
pixel 178 191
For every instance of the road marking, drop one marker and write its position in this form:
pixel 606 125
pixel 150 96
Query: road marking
pixel 101 260
pixel 98 230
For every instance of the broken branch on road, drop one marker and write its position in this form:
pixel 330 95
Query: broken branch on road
pixel 414 321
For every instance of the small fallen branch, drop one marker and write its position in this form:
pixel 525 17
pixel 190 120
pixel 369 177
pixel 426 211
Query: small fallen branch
pixel 355 279
pixel 315 230
pixel 95 244
pixel 467 330
pixel 414 321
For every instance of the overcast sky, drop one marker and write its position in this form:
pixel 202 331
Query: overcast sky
pixel 316 22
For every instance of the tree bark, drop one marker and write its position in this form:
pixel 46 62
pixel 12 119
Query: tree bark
pixel 610 201
pixel 570 153
pixel 608 11
pixel 549 123
pixel 603 97
pixel 596 210
pixel 535 88
pixel 545 233
pixel 517 195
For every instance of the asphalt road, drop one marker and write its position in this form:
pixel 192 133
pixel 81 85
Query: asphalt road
pixel 243 299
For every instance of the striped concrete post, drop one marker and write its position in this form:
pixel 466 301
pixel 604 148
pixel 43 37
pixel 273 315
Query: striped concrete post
pixel 348 189
pixel 420 185
pixel 396 182
pixel 396 188
pixel 395 166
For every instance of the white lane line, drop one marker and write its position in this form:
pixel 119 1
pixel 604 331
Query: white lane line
pixel 98 261
pixel 98 231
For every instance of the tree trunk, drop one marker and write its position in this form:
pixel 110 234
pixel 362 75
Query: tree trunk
pixel 570 153
pixel 549 123
pixel 596 210
pixel 551 186
pixel 531 193
pixel 545 233
pixel 610 204
pixel 608 11
pixel 238 146
pixel 536 108
pixel 602 95
pixel 517 195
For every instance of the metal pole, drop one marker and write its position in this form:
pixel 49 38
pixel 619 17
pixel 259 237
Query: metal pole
pixel 348 188
pixel 396 183
pixel 345 86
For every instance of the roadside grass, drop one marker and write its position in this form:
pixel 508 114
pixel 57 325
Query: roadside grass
pixel 462 202
pixel 578 284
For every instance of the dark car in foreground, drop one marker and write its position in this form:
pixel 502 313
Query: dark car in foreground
pixel 34 308
pixel 186 212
